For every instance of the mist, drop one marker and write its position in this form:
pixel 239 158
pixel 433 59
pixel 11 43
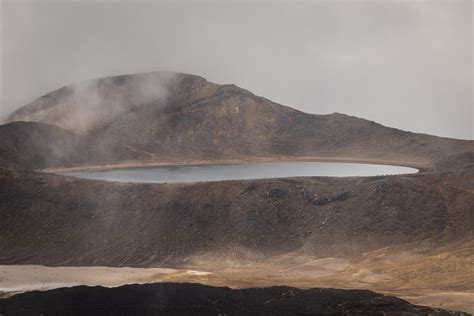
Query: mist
pixel 405 64
pixel 89 104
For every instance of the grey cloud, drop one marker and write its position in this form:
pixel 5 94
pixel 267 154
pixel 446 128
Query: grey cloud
pixel 406 64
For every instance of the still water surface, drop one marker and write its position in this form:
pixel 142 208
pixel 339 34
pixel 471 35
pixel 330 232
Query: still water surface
pixel 204 173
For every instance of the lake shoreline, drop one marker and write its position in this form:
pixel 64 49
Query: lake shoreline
pixel 243 171
pixel 197 162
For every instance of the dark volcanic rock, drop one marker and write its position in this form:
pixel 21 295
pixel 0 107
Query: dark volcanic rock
pixel 196 299
pixel 325 199
pixel 50 219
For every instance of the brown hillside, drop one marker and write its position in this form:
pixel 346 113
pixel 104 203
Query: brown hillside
pixel 190 118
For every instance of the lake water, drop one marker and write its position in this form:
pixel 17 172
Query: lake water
pixel 204 173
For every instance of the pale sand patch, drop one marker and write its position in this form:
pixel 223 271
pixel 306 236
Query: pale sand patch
pixel 21 278
pixel 251 266
pixel 243 269
pixel 367 276
pixel 449 300
pixel 316 268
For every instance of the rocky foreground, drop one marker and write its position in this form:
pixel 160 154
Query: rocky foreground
pixel 195 299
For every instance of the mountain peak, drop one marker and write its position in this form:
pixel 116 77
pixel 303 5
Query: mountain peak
pixel 90 104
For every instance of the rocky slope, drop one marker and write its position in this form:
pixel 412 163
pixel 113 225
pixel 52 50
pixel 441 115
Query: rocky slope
pixel 167 116
pixel 57 220
pixel 32 145
pixel 193 299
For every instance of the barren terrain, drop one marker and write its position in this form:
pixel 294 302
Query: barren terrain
pixel 196 299
pixel 404 235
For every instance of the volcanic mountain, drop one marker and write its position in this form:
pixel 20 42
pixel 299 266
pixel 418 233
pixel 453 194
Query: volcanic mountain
pixel 408 235
pixel 168 117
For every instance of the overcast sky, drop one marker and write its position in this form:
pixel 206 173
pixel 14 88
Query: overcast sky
pixel 405 64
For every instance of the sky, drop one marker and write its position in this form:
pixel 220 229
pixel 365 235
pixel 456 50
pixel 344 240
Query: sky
pixel 405 64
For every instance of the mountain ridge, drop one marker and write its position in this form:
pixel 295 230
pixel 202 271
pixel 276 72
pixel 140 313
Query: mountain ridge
pixel 180 116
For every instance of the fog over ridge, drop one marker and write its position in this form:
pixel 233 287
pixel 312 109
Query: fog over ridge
pixel 83 106
pixel 404 64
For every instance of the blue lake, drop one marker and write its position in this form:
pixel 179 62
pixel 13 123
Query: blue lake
pixel 203 173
